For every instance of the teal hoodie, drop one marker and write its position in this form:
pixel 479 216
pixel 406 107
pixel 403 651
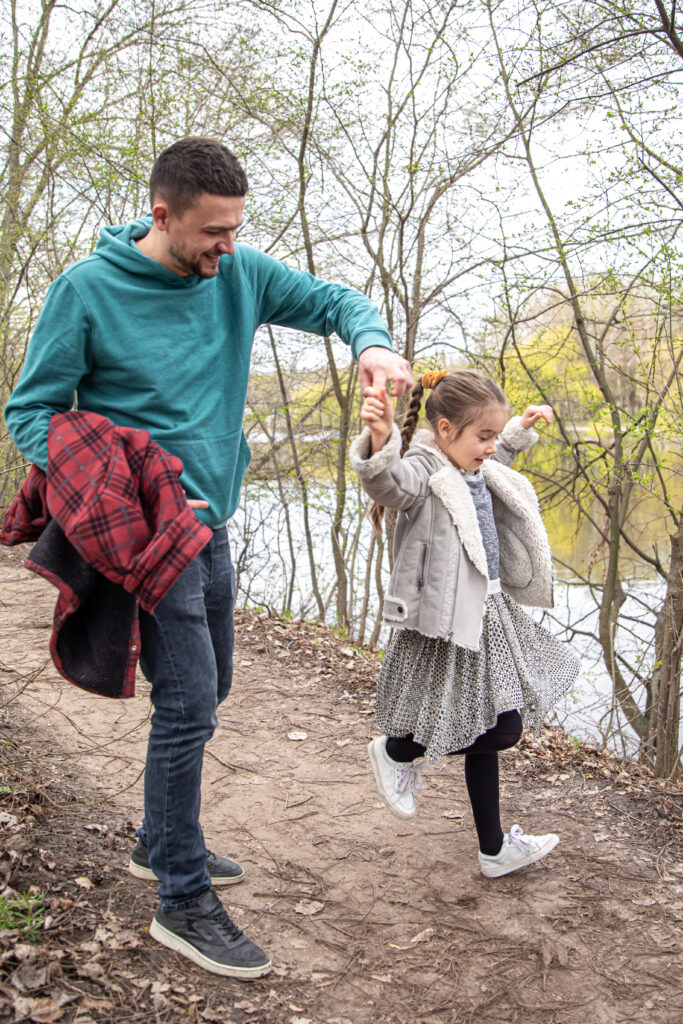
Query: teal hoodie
pixel 147 348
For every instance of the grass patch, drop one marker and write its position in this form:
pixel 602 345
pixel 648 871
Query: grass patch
pixel 23 913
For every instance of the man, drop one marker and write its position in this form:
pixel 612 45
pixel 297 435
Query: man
pixel 154 330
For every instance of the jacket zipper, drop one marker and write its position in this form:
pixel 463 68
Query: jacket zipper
pixel 421 569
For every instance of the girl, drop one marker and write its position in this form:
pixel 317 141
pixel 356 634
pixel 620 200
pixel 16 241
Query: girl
pixel 465 665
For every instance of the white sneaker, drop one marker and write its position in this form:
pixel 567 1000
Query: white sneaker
pixel 517 851
pixel 396 780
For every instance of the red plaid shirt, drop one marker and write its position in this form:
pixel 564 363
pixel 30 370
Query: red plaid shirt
pixel 117 497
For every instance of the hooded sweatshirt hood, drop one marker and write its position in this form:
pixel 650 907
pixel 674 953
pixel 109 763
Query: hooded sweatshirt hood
pixel 117 245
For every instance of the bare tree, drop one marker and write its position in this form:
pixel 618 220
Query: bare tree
pixel 615 451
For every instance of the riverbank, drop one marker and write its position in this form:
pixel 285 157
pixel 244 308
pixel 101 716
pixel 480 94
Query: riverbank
pixel 367 919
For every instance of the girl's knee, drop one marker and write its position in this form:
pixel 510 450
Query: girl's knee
pixel 505 740
pixel 508 729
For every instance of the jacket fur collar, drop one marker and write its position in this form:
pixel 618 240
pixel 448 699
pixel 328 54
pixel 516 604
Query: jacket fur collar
pixel 510 487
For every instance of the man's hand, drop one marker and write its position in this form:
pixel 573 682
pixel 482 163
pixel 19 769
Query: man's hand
pixel 377 412
pixel 377 365
pixel 197 503
pixel 533 413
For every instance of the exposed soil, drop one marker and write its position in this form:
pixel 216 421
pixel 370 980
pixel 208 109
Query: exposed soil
pixel 366 918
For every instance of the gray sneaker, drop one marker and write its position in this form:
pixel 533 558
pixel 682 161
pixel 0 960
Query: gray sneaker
pixel 517 851
pixel 205 933
pixel 396 780
pixel 221 870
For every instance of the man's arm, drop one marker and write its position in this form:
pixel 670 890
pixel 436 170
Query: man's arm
pixel 57 359
pixel 292 298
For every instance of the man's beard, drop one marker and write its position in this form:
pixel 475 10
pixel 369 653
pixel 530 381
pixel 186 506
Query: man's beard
pixel 191 267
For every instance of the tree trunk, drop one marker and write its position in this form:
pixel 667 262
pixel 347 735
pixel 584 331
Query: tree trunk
pixel 669 660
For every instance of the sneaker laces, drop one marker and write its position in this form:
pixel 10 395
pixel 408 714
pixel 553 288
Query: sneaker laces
pixel 221 917
pixel 408 779
pixel 524 842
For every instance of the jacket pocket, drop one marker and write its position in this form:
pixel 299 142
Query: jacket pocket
pixel 421 564
pixel 395 609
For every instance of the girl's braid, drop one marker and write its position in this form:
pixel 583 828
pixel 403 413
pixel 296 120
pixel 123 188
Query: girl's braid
pixel 409 427
pixel 412 416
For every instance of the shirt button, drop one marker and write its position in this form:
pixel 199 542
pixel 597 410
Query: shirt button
pixel 134 647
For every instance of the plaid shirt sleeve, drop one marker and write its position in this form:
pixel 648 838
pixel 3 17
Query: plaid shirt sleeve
pixel 27 514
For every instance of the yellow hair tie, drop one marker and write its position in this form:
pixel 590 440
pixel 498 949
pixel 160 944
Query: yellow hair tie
pixel 432 378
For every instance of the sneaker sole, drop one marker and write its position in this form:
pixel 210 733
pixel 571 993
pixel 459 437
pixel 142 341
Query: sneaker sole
pixel 139 871
pixel 178 945
pixel 523 861
pixel 380 789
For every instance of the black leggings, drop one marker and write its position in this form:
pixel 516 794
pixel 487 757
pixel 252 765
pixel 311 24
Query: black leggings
pixel 481 773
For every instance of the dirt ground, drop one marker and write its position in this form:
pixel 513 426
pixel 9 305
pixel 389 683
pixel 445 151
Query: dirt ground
pixel 366 918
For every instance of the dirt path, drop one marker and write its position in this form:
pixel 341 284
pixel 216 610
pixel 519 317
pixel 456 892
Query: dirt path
pixel 367 919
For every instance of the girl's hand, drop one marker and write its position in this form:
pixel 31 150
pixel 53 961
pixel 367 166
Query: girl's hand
pixel 378 414
pixel 534 413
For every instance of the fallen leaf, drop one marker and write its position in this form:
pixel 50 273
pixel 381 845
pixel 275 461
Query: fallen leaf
pixel 91 970
pixel 308 907
pixel 23 951
pixel 123 938
pixel 96 1004
pixel 83 882
pixel 29 976
pixel 90 946
pixel 43 1011
pixel 423 936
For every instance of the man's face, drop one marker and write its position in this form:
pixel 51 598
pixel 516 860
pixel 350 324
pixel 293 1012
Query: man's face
pixel 196 239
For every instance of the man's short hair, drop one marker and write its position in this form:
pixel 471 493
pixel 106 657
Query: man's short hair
pixel 192 166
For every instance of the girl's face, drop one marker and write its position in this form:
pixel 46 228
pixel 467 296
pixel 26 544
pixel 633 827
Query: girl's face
pixel 475 442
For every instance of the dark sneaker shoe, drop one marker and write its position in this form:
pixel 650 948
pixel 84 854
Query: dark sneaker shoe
pixel 221 870
pixel 206 934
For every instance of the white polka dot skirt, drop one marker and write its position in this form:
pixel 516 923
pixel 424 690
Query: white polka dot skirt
pixel 446 695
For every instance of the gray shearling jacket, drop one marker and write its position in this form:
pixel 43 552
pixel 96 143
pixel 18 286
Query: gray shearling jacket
pixel 440 581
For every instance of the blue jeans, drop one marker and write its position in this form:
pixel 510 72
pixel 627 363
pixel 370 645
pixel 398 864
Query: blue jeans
pixel 186 654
